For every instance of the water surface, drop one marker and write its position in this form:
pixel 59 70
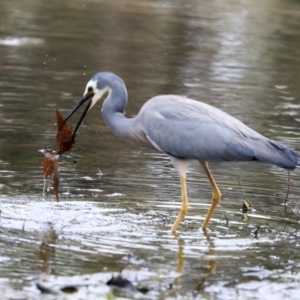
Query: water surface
pixel 117 206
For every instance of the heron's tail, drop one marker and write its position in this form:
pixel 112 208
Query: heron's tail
pixel 277 154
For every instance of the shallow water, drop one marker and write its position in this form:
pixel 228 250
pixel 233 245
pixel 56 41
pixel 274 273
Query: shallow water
pixel 119 202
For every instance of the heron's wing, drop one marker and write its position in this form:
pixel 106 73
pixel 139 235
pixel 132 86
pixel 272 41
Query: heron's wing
pixel 179 108
pixel 186 128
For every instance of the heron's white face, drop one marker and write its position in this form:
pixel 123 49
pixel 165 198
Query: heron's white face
pixel 92 87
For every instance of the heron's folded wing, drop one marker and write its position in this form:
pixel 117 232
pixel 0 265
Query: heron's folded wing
pixel 194 138
pixel 185 128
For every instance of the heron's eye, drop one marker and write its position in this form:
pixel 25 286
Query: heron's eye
pixel 90 89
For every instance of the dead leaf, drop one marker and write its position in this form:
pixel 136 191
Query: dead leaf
pixel 246 206
pixel 64 138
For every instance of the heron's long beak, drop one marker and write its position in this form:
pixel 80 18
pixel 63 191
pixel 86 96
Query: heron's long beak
pixel 85 98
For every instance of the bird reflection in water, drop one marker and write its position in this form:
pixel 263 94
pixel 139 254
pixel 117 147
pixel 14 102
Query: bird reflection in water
pixel 212 263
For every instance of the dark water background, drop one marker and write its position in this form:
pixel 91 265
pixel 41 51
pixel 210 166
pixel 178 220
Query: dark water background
pixel 240 56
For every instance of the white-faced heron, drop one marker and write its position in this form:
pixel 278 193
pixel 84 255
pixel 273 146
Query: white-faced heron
pixel 185 130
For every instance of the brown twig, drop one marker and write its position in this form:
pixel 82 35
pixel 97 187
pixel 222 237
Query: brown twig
pixel 288 188
pixel 227 220
pixel 242 190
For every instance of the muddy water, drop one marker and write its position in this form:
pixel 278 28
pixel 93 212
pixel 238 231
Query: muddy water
pixel 118 204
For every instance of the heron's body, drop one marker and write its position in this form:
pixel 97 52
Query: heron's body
pixel 185 129
pixel 194 131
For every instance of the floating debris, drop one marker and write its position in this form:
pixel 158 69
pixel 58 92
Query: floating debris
pixel 256 232
pixel 246 204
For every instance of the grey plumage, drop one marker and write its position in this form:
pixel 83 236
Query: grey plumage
pixel 184 129
pixel 187 128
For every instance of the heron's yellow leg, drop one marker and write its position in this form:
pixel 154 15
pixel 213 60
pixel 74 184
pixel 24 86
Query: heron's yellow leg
pixel 216 196
pixel 184 205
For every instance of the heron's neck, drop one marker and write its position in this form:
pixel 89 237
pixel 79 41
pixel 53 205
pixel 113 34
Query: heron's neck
pixel 113 111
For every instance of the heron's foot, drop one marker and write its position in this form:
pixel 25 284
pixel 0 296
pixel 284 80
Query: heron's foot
pixel 182 213
pixel 204 227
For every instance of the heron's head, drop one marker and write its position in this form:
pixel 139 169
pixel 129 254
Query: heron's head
pixel 96 88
